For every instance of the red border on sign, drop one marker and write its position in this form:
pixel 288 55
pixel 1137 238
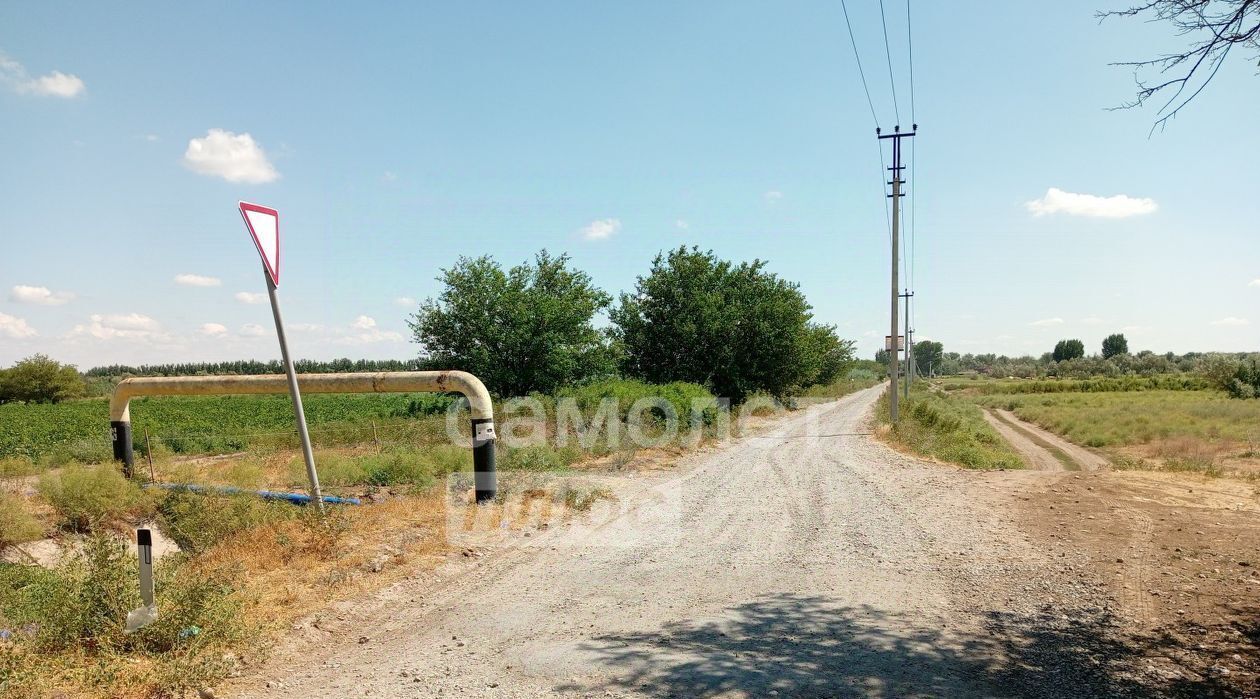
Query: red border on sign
pixel 246 206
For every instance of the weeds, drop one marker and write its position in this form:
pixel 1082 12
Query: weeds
pixel 198 521
pixel 87 498
pixel 17 526
pixel 949 429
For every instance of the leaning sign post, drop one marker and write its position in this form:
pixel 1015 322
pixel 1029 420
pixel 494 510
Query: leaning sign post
pixel 264 227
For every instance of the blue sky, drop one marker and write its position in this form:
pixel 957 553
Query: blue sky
pixel 395 139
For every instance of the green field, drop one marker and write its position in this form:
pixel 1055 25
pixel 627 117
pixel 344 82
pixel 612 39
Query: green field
pixel 79 430
pixel 1136 417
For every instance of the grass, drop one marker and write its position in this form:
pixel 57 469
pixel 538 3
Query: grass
pixel 1129 418
pixel 89 497
pixel 949 429
pixel 1165 382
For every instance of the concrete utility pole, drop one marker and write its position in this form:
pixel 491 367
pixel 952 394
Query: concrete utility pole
pixel 909 344
pixel 896 169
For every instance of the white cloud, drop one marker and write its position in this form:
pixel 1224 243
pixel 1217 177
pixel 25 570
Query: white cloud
pixel 1118 206
pixel 251 330
pixel 15 328
pixel 1254 282
pixel 213 329
pixel 197 280
pixel 151 137
pixel 405 301
pixel 1232 322
pixel 389 176
pixel 39 295
pixel 1046 322
pixel 600 229
pixel 54 84
pixel 250 298
pixel 363 323
pixel 126 325
pixel 234 157
pixel 773 196
pixel 681 225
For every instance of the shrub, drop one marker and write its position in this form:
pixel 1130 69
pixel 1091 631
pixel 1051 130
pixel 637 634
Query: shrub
pixel 89 497
pixel 198 521
pixel 17 526
pixel 626 392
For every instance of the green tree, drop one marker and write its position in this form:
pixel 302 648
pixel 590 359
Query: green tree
pixel 38 379
pixel 828 356
pixel 928 356
pixel 734 328
pixel 523 330
pixel 1068 349
pixel 1114 344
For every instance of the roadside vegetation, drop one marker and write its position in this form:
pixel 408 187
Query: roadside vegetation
pixel 946 428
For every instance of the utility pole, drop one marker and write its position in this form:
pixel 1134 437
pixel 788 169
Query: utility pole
pixel 896 169
pixel 909 344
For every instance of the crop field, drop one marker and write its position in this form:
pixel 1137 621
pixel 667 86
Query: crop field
pixel 79 430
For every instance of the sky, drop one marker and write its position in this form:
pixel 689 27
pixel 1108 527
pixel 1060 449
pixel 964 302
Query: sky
pixel 394 139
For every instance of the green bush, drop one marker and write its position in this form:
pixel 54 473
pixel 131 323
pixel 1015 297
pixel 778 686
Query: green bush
pixel 87 497
pixel 197 521
pixel 17 526
pixel 539 457
pixel 626 392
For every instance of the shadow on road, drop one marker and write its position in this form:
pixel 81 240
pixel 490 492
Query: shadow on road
pixel 802 646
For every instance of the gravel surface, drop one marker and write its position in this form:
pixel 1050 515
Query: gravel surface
pixel 809 561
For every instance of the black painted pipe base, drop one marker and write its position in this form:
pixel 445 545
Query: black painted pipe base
pixel 484 477
pixel 121 434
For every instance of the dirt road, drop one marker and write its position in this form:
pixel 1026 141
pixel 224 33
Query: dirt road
pixel 1042 450
pixel 809 561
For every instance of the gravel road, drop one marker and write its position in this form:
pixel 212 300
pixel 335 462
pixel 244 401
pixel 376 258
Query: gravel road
pixel 809 561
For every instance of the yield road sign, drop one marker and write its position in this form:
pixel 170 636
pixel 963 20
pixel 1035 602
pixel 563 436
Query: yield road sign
pixel 264 225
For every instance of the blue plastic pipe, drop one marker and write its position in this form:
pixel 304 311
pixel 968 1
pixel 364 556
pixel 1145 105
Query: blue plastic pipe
pixel 295 498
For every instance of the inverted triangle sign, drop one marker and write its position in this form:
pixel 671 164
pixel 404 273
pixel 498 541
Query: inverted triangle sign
pixel 264 226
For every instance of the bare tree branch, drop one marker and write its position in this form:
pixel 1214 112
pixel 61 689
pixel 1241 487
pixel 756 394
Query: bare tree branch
pixel 1217 25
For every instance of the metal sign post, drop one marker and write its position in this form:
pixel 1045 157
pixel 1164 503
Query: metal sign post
pixel 264 226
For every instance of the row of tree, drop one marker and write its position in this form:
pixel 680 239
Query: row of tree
pixel 251 367
pixel 735 328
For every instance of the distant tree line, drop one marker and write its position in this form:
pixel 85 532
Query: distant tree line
pixel 248 367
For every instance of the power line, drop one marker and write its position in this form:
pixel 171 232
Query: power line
pixel 888 55
pixel 910 44
pixel 861 73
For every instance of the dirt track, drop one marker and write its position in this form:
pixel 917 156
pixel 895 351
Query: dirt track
pixel 1038 446
pixel 809 561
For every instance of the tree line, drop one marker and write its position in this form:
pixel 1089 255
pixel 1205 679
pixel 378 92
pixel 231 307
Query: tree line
pixel 735 328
